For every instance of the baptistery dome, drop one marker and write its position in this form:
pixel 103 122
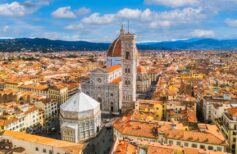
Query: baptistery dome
pixel 81 116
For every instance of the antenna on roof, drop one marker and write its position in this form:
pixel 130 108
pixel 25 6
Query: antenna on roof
pixel 128 26
pixel 121 30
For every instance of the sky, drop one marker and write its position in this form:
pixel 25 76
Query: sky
pixel 100 20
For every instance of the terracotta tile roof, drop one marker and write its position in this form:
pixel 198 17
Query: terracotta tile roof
pixel 160 150
pixel 144 116
pixel 200 151
pixel 117 80
pixel 202 126
pixel 57 87
pixel 232 111
pixel 72 148
pixel 30 110
pixel 113 68
pixel 141 69
pixel 126 126
pixel 149 102
pixel 137 128
pixel 8 91
pixel 5 122
pixel 36 87
pixel 200 137
pixel 123 147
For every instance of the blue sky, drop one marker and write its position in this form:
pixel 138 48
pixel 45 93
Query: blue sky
pixel 100 20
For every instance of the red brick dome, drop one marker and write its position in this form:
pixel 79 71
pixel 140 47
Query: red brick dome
pixel 115 49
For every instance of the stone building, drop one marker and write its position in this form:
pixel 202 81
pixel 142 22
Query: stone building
pixel 211 103
pixel 22 143
pixel 129 69
pixel 229 127
pixel 198 136
pixel 105 86
pixel 80 118
pixel 143 80
pixel 116 85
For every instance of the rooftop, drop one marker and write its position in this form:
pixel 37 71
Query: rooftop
pixel 127 126
pixel 115 49
pixel 124 147
pixel 117 80
pixel 113 68
pixel 72 148
pixel 232 111
pixel 79 102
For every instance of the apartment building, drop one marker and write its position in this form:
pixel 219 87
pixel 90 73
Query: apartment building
pixel 33 144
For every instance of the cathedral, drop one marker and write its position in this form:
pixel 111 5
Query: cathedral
pixel 115 87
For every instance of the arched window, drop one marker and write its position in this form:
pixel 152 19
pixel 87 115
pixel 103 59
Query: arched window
pixel 127 55
pixel 127 82
pixel 111 106
pixel 100 101
pixel 127 70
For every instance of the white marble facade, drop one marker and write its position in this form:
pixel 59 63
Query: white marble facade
pixel 102 87
pixel 80 118
pixel 111 61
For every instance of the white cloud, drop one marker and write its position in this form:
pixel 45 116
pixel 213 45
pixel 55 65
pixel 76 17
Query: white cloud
pixel 231 22
pixel 210 7
pixel 74 26
pixel 166 18
pixel 12 9
pixel 96 18
pixel 183 15
pixel 145 17
pixel 156 24
pixel 58 36
pixel 202 33
pixel 83 11
pixel 173 3
pixel 64 12
pixel 129 13
pixel 147 14
pixel 5 28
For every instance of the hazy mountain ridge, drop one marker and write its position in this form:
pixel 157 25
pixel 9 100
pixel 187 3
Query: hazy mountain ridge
pixel 46 45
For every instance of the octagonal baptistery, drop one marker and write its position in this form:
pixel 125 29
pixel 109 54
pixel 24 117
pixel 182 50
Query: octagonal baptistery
pixel 80 118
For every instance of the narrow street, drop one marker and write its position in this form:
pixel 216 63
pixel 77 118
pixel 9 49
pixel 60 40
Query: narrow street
pixel 101 144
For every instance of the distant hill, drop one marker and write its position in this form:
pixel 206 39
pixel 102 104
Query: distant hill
pixel 46 45
pixel 195 44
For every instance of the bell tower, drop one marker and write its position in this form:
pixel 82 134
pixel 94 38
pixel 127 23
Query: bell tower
pixel 122 30
pixel 129 70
